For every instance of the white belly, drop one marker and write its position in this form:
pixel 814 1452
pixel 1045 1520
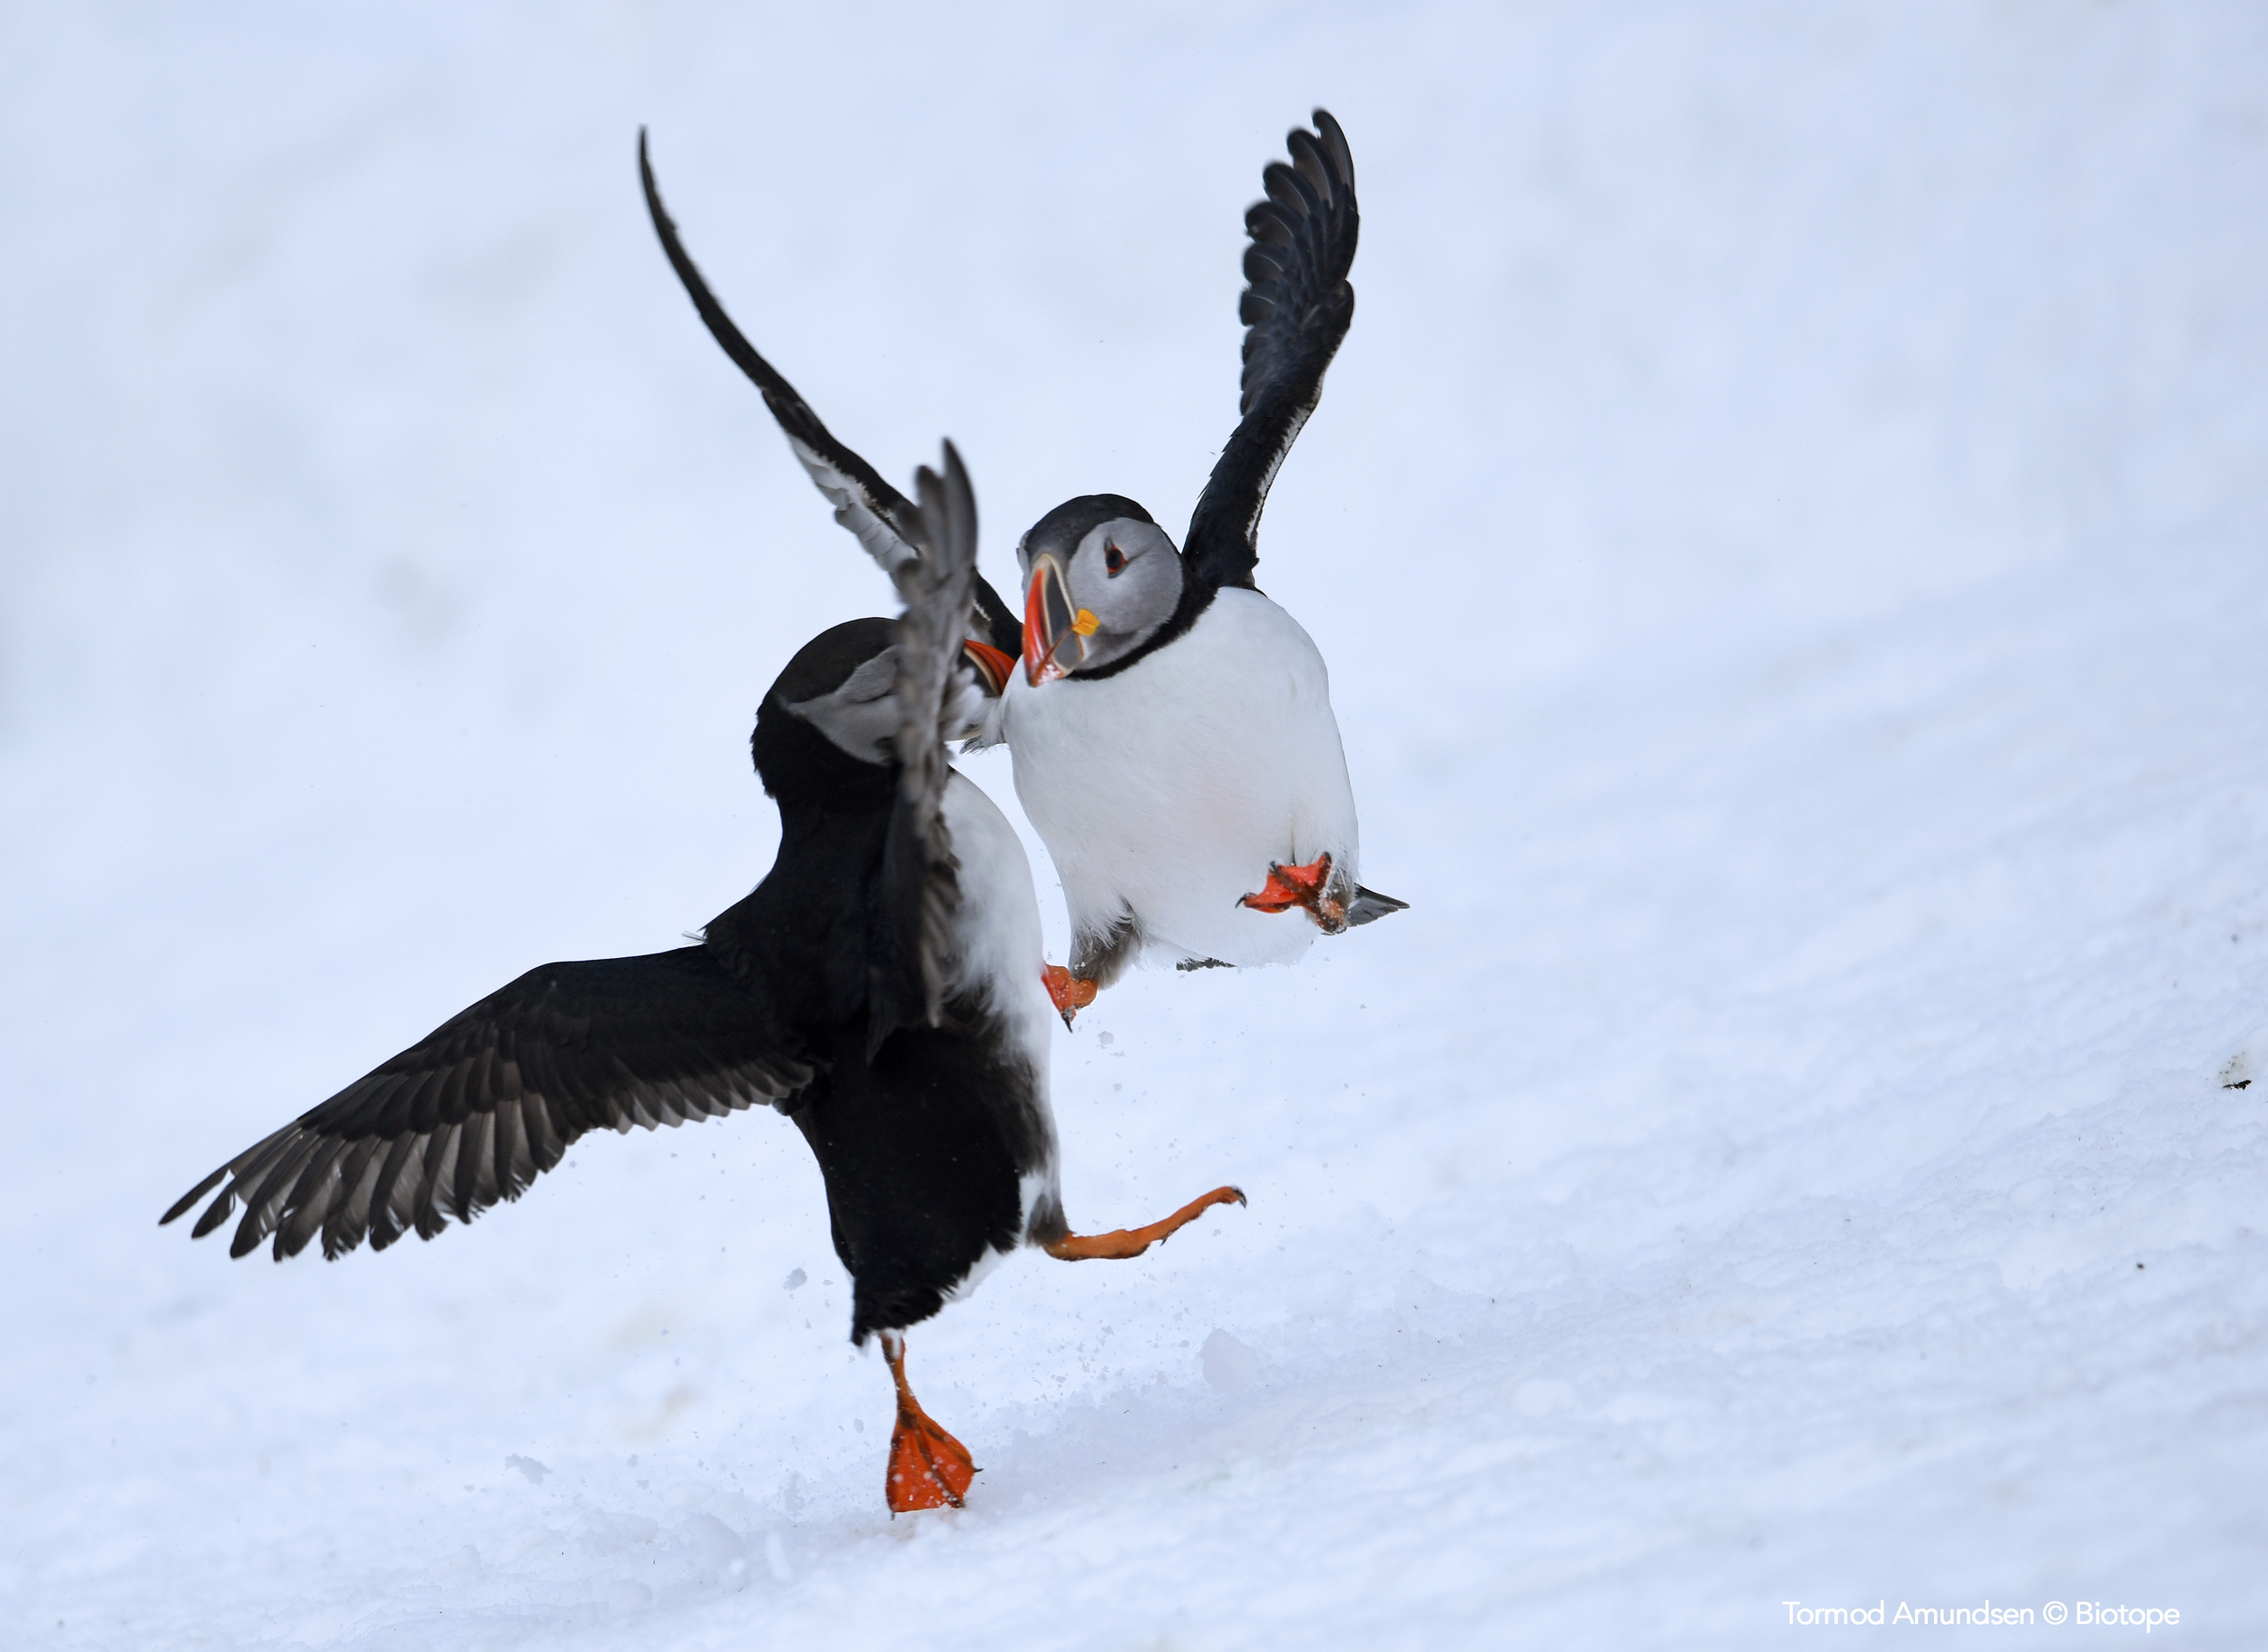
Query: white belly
pixel 1168 790
pixel 1001 952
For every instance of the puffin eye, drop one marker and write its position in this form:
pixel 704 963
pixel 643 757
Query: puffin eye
pixel 1113 560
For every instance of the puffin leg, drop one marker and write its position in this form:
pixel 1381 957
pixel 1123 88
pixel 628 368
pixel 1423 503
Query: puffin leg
pixel 1133 1241
pixel 1070 993
pixel 1307 887
pixel 929 1469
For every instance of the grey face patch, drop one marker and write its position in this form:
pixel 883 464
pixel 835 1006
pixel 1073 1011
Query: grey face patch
pixel 861 716
pixel 1126 573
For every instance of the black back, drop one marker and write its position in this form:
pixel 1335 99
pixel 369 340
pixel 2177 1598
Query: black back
pixel 922 1111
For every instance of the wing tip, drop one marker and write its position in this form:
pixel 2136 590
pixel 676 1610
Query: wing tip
pixel 1334 144
pixel 180 1206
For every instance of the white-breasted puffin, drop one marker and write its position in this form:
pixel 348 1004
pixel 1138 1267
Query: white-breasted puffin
pixel 881 987
pixel 1171 728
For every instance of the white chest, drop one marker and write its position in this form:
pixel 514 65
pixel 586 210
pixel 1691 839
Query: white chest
pixel 998 930
pixel 1170 788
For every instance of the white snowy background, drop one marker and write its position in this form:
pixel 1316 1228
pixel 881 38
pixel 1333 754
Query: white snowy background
pixel 1790 530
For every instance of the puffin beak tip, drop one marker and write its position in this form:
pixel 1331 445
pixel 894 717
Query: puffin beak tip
pixel 1052 627
pixel 993 666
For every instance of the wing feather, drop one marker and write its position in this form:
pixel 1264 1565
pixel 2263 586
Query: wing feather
pixel 514 1169
pixel 920 877
pixel 350 1216
pixel 475 1136
pixel 544 1141
pixel 261 1208
pixel 1297 307
pixel 472 1114
pixel 311 1198
pixel 390 1194
pixel 882 519
pixel 441 1157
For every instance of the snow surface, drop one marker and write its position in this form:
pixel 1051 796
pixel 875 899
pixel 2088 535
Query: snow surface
pixel 1787 527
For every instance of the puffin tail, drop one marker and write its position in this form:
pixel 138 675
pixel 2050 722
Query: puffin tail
pixel 1368 906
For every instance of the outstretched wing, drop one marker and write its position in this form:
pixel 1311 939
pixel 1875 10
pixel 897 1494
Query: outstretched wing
pixel 490 1099
pixel 1295 311
pixel 919 872
pixel 883 519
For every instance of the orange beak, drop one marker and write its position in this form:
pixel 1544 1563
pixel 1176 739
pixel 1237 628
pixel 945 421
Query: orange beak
pixel 1055 633
pixel 990 664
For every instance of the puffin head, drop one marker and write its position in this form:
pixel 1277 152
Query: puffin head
pixel 827 728
pixel 1101 578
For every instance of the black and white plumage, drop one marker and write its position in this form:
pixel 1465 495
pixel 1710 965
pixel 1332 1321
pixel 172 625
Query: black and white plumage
pixel 881 986
pixel 1171 728
pixel 882 519
pixel 1296 309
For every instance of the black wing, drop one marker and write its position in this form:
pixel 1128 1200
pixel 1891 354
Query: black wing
pixel 491 1099
pixel 1295 311
pixel 883 519
pixel 920 877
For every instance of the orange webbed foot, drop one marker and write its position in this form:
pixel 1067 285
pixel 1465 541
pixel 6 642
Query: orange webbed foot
pixel 1125 1242
pixel 1304 887
pixel 1070 993
pixel 929 1469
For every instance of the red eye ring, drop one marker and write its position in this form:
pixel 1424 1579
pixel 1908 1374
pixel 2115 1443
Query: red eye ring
pixel 1113 560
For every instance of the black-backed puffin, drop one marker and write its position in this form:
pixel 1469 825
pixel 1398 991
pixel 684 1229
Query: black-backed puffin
pixel 1171 728
pixel 881 987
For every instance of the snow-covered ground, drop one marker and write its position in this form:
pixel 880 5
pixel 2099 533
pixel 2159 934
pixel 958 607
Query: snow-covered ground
pixel 1790 529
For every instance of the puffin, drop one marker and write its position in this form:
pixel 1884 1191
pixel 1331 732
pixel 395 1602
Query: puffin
pixel 1170 726
pixel 881 987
